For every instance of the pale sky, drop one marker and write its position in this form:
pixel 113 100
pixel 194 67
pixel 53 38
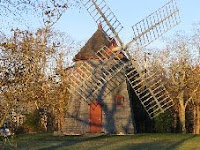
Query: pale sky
pixel 80 26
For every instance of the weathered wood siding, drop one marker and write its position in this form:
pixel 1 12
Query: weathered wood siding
pixel 115 119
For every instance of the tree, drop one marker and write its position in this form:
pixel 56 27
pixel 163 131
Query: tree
pixel 197 107
pixel 25 55
pixel 33 73
pixel 22 13
pixel 23 67
pixel 177 64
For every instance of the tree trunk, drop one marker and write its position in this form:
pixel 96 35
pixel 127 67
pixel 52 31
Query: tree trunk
pixel 60 116
pixel 175 125
pixel 4 117
pixel 59 122
pixel 182 118
pixel 196 119
pixel 182 111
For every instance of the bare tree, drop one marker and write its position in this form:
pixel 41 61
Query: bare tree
pixel 25 56
pixel 23 67
pixel 22 13
pixel 178 63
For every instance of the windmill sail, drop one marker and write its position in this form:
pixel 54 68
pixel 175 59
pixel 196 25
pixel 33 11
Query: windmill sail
pixel 101 13
pixel 155 25
pixel 150 91
pixel 88 78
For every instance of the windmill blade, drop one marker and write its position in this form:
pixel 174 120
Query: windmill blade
pixel 150 91
pixel 156 24
pixel 87 80
pixel 101 13
pixel 90 78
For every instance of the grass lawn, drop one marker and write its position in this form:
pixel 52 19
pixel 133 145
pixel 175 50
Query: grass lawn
pixel 138 141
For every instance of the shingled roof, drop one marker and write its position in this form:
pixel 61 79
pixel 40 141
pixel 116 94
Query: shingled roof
pixel 95 43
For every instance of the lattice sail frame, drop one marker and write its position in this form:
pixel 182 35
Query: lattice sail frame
pixel 149 89
pixel 156 24
pixel 101 13
pixel 87 80
pixel 153 97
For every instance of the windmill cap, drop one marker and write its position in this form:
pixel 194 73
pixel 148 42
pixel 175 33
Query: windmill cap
pixel 94 44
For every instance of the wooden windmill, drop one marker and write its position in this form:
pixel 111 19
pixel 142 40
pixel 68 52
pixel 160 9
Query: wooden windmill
pixel 88 80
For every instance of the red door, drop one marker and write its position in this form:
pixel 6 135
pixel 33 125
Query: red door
pixel 95 117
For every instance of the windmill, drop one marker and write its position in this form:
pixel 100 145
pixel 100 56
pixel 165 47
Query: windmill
pixel 88 80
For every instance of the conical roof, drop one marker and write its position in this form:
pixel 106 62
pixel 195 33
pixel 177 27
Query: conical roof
pixel 94 44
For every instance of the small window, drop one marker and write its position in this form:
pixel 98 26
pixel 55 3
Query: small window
pixel 119 100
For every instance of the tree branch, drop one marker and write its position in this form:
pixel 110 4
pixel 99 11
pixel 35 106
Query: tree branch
pixel 192 95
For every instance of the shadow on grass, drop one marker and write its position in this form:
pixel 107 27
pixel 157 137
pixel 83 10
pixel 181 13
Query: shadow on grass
pixel 47 141
pixel 177 144
pixel 138 141
pixel 160 144
pixel 73 141
pixel 146 146
pixel 101 140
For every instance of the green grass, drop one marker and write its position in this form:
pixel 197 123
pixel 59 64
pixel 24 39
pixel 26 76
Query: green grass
pixel 138 141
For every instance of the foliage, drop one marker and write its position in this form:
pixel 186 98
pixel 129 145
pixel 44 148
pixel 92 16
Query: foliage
pixel 19 130
pixel 163 123
pixel 23 68
pixel 32 122
pixel 29 73
pixel 177 65
pixel 27 79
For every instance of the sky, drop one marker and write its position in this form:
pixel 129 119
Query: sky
pixel 80 26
